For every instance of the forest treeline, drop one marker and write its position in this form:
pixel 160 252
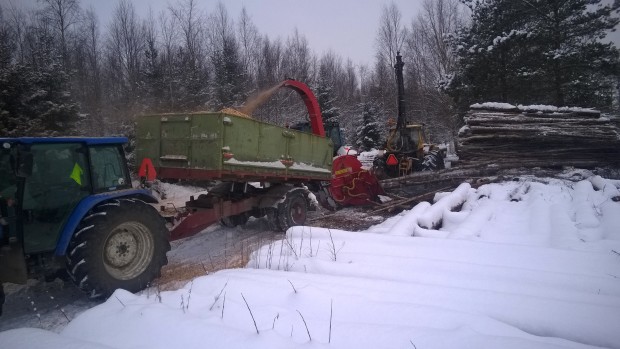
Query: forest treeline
pixel 64 72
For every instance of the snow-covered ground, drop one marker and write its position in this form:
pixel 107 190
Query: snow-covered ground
pixel 529 263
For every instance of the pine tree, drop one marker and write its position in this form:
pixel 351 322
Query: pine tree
pixel 228 75
pixel 367 134
pixel 535 52
pixel 35 98
pixel 577 66
pixel 152 82
pixel 325 96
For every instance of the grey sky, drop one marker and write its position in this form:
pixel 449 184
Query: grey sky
pixel 348 27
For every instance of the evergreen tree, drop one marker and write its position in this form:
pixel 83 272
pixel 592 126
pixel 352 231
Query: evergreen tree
pixel 228 75
pixel 35 98
pixel 367 134
pixel 535 52
pixel 577 67
pixel 152 82
pixel 325 96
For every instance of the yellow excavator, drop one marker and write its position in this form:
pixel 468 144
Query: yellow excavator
pixel 406 149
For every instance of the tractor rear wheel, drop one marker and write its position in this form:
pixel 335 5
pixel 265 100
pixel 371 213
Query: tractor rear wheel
pixel 293 210
pixel 119 244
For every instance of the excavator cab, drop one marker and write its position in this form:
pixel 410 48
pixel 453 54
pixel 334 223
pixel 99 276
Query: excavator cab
pixel 409 140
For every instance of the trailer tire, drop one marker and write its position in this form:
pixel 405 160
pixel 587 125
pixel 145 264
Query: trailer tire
pixel 272 219
pixel 118 244
pixel 233 221
pixel 378 168
pixel 293 210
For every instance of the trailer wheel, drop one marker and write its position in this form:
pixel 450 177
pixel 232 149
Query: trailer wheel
pixel 272 219
pixel 119 244
pixel 233 221
pixel 379 168
pixel 293 210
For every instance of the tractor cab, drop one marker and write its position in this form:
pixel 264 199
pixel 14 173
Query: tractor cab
pixel 332 130
pixel 42 180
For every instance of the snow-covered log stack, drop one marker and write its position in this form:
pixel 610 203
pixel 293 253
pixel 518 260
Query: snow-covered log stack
pixel 538 135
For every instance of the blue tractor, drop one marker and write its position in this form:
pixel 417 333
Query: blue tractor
pixel 68 204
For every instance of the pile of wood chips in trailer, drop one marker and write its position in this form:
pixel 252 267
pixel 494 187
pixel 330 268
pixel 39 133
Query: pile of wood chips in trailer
pixel 539 136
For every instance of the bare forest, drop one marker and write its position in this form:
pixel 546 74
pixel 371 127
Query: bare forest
pixel 66 72
pixel 69 73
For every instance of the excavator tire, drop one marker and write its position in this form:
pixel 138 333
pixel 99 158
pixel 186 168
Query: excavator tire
pixel 119 244
pixel 433 161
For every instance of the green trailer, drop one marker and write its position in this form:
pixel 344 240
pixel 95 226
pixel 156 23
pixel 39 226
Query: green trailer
pixel 227 147
pixel 263 169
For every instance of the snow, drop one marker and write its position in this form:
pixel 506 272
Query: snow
pixel 531 108
pixel 493 106
pixel 367 157
pixel 279 165
pixel 530 263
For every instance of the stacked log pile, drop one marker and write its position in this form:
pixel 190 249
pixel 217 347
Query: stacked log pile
pixel 538 136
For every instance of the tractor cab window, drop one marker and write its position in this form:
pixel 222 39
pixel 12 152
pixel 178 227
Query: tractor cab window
pixel 59 180
pixel 8 185
pixel 108 168
pixel 336 137
pixel 415 136
pixel 8 190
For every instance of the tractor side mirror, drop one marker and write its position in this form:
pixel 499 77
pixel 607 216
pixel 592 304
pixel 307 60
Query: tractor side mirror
pixel 24 163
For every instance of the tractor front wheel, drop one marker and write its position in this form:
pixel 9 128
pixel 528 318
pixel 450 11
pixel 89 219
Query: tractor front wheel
pixel 119 244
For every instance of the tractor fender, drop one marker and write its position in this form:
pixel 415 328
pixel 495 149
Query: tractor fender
pixel 277 194
pixel 87 204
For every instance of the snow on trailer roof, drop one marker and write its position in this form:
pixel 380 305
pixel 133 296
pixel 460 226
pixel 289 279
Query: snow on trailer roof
pixel 86 140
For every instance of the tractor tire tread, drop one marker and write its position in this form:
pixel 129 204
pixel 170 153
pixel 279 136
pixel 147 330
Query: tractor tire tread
pixel 84 259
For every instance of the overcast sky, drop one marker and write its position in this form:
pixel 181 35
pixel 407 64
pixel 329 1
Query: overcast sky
pixel 348 27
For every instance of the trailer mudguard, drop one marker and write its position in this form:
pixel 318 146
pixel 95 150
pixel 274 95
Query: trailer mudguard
pixel 87 204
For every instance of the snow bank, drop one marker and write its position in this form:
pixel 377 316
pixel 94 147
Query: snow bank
pixel 433 216
pixel 31 338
